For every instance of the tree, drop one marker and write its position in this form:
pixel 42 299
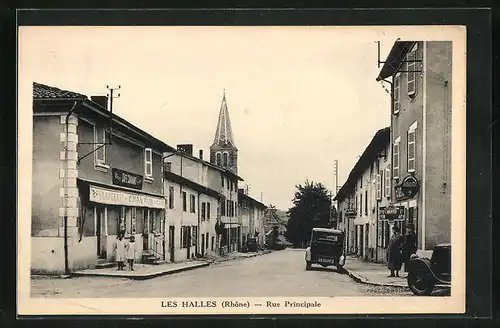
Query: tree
pixel 311 209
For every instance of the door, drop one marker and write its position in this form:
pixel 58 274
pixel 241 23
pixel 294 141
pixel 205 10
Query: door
pixel 202 244
pixel 171 242
pixel 146 230
pixel 100 213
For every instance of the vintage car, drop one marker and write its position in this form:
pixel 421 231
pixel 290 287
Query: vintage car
pixel 425 274
pixel 326 248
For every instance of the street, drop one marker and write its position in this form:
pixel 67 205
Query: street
pixel 280 273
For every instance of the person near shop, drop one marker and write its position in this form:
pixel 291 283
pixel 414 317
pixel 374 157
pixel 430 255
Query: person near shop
pixel 409 245
pixel 394 256
pixel 131 252
pixel 119 248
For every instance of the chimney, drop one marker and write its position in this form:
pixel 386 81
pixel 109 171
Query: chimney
pixel 186 148
pixel 100 100
pixel 201 153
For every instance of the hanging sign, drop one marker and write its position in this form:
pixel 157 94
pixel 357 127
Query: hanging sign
pixel 408 188
pixel 127 179
pixel 113 197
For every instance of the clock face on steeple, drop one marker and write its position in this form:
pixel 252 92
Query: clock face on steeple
pixel 223 151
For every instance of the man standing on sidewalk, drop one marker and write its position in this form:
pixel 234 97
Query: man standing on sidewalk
pixel 394 257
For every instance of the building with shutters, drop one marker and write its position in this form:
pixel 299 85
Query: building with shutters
pixel 362 196
pixel 94 175
pixel 419 73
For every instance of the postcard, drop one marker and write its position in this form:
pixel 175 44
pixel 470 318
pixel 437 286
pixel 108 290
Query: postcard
pixel 241 170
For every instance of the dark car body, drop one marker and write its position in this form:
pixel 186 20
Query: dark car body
pixel 326 248
pixel 252 245
pixel 424 274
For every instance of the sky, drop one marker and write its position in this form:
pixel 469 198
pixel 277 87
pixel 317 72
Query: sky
pixel 298 97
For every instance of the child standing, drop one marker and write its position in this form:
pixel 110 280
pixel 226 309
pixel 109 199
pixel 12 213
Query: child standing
pixel 120 251
pixel 131 250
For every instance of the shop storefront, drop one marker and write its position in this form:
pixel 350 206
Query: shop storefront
pixel 107 210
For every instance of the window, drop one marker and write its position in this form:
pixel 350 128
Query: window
pixel 222 180
pixel 397 93
pixel 231 185
pixel 411 148
pixel 227 184
pixel 148 162
pixel 184 201
pixel 203 209
pixel 218 159
pixel 366 202
pixel 360 204
pixel 222 208
pixel 361 182
pixel 225 159
pixel 387 182
pixel 185 236
pixel 208 211
pixel 194 235
pixel 192 201
pixel 99 145
pixel 379 185
pixel 411 67
pixel 395 159
pixel 171 197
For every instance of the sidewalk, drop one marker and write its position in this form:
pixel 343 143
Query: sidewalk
pixel 143 271
pixel 375 274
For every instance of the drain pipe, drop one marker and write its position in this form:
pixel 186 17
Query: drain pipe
pixel 66 261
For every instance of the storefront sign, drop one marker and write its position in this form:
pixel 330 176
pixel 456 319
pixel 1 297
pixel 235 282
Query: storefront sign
pixel 391 213
pixel 408 188
pixel 350 212
pixel 113 197
pixel 127 179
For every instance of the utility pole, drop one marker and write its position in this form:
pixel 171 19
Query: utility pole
pixel 110 105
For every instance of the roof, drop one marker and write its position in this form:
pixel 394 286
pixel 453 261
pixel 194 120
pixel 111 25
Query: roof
pixel 217 167
pixel 46 93
pixel 244 196
pixel 224 132
pixel 41 91
pixel 327 230
pixel 395 59
pixel 170 176
pixel 378 143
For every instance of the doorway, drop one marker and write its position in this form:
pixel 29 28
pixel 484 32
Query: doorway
pixel 100 215
pixel 202 244
pixel 171 242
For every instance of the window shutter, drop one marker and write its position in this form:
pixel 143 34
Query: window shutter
pixel 387 182
pixel 396 161
pixel 411 151
pixel 148 162
pixel 379 187
pixel 412 75
pixel 396 96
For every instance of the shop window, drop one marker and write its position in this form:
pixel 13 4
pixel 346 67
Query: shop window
pixel 395 161
pixel 184 201
pixel 88 218
pixel 208 211
pixel 114 213
pixel 148 163
pixel 100 145
pixel 192 201
pixel 203 211
pixel 397 93
pixel 171 197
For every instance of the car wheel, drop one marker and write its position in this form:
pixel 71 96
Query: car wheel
pixel 308 265
pixel 420 282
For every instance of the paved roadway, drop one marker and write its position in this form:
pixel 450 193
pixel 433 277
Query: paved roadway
pixel 276 274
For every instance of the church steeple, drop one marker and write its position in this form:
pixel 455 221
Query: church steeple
pixel 223 151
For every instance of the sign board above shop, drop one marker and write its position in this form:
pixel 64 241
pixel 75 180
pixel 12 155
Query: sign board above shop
pixel 408 188
pixel 115 197
pixel 127 179
pixel 391 213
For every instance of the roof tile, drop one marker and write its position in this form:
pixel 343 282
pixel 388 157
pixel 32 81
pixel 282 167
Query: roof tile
pixel 41 91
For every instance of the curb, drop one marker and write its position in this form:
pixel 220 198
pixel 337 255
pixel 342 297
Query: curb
pixel 145 276
pixel 361 280
pixel 237 258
